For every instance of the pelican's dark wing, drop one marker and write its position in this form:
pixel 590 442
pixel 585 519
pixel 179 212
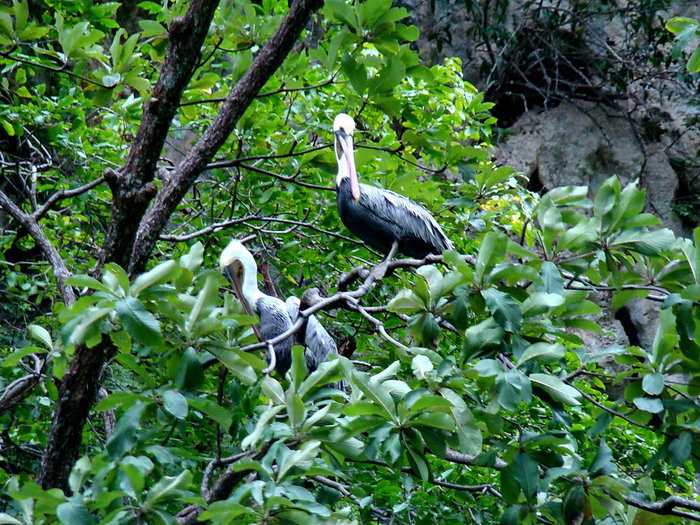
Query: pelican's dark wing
pixel 382 217
pixel 314 337
pixel 274 321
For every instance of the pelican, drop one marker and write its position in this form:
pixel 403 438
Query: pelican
pixel 275 316
pixel 385 220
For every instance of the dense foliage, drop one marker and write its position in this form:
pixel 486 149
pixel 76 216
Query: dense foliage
pixel 472 393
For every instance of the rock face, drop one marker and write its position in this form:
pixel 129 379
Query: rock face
pixel 584 96
pixel 583 145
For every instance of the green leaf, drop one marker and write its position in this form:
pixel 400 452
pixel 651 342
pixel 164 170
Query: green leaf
pixel 504 309
pixel 653 384
pixel 301 458
pixel 175 404
pixel 356 73
pixel 167 487
pixel 602 464
pixel 678 24
pixel 513 388
pixel 375 392
pixel 526 474
pixel 273 390
pixel 41 334
pixel 85 281
pixel 139 322
pixel 231 360
pixel 493 249
pixel 213 410
pixel 74 513
pixel 468 432
pixel 644 242
pixel 543 352
pixel 693 64
pixel 649 404
pixel 406 302
pixel 155 276
pixel 552 281
pixel 193 260
pixel 556 388
pixel 681 448
pixel 421 365
pixel 126 432
pixel 112 269
pixel 252 439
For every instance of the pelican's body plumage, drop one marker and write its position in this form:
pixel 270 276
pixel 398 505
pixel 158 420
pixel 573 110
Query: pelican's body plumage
pixel 275 316
pixel 377 216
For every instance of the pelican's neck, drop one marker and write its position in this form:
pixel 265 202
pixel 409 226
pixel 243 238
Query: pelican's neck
pixel 249 284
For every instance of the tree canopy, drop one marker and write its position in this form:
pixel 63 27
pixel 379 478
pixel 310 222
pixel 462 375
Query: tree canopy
pixel 135 145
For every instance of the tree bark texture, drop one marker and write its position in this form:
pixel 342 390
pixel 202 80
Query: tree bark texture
pixel 133 188
pixel 268 59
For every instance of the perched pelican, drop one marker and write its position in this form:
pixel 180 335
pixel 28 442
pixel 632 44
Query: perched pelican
pixel 276 316
pixel 380 217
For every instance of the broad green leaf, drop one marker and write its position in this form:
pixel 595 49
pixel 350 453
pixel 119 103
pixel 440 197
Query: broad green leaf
pixel 406 302
pixel 504 309
pixel 41 334
pixel 543 352
pixel 653 384
pixel 166 487
pixel 155 276
pixel 74 513
pixel 273 390
pixel 468 432
pixel 681 448
pixel 649 404
pixel 513 389
pixel 375 392
pixel 301 458
pixel 493 249
pixel 85 281
pixel 602 463
pixel 175 404
pixel 421 365
pixel 139 322
pixel 526 474
pixel 211 409
pixel 644 242
pixel 556 388
pixel 252 439
pixel 193 260
pixel 240 368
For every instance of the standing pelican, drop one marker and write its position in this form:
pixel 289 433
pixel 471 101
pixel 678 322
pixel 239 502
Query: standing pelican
pixel 276 316
pixel 385 220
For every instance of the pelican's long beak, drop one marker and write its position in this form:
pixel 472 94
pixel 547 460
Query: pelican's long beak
pixel 349 156
pixel 234 274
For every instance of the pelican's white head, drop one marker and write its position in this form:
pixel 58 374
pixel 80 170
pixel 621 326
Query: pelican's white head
pixel 345 122
pixel 344 127
pixel 240 268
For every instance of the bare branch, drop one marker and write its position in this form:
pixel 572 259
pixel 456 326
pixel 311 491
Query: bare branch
pixel 50 253
pixel 65 194
pixel 266 62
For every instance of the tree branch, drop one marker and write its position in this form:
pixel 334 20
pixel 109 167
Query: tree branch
pixel 50 253
pixel 132 186
pixel 132 189
pixel 268 59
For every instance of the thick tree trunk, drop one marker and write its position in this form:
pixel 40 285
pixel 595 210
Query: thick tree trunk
pixel 268 59
pixel 133 189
